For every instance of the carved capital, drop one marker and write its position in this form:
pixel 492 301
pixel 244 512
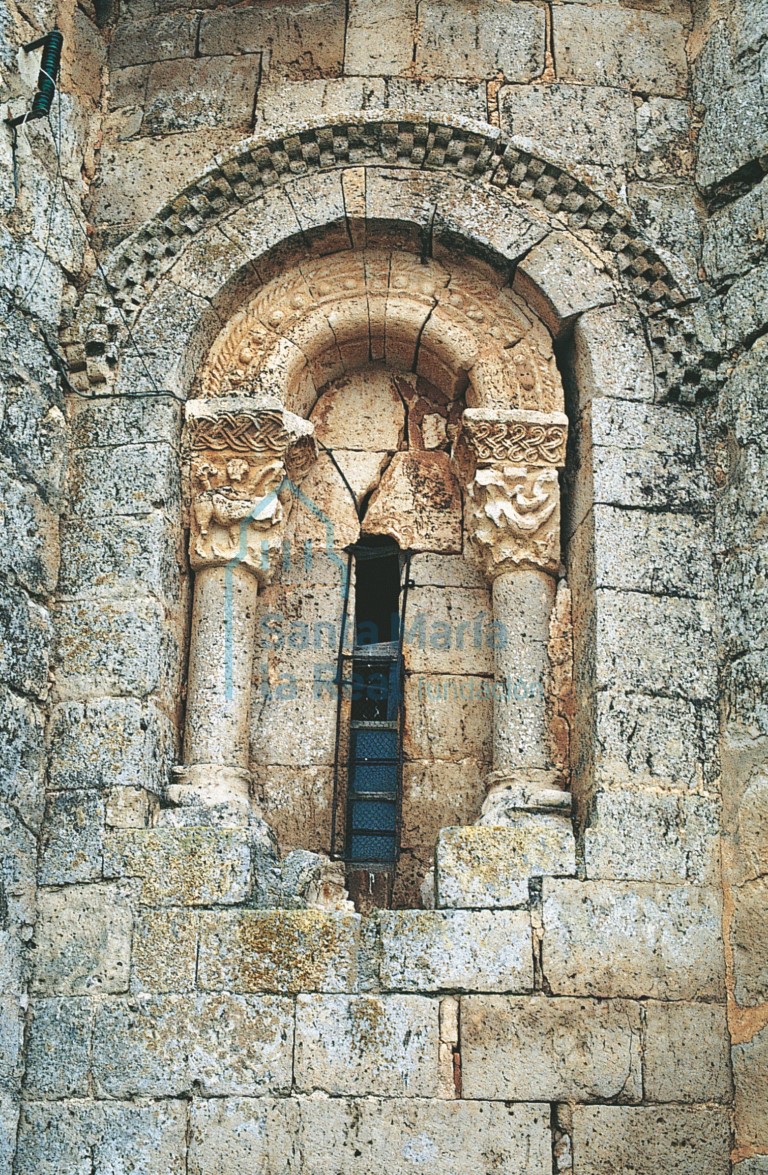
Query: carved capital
pixel 243 456
pixel 509 462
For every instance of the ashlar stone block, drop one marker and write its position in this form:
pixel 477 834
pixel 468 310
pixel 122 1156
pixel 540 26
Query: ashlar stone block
pixel 80 1137
pixel 58 1048
pixel 278 951
pixel 182 866
pixel 560 280
pixel 686 1053
pixel 481 865
pixel 164 951
pixel 386 1046
pixel 582 124
pixel 304 39
pixel 643 836
pixel 678 1140
pixel 240 1134
pixel 383 1136
pixel 380 37
pixel 750 1064
pixel 542 1049
pixel 634 939
pixel 611 355
pixel 468 950
pixel 454 40
pixel 603 46
pixel 749 935
pixel 232 1045
pixel 83 940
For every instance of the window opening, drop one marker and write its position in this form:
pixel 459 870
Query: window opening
pixel 368 768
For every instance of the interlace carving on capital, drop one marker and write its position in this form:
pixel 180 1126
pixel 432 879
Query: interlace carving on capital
pixel 512 518
pixel 519 443
pixel 241 467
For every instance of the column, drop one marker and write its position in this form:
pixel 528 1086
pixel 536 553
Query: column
pixel 509 462
pixel 242 456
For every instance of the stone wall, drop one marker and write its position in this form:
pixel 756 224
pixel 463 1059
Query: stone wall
pixel 42 243
pixel 731 43
pixel 198 1003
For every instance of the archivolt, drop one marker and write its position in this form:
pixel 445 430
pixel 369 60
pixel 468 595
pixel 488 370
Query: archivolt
pixel 454 325
pixel 248 196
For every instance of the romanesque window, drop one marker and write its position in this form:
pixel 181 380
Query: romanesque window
pixel 412 438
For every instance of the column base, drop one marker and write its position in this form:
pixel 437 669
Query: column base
pixel 210 793
pixel 534 790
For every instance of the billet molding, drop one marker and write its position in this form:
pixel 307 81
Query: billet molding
pixel 473 152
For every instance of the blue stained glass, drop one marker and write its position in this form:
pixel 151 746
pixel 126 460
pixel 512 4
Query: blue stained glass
pixel 373 815
pixel 372 848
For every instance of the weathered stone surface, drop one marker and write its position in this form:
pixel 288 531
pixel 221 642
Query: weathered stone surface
pixel 22 756
pixel 634 939
pixel 139 176
pixel 481 865
pixel 479 950
pixel 664 141
pixel 611 356
pixel 153 40
pixel 463 1137
pixel 109 742
pixel 541 1049
pixel 185 867
pixel 72 840
pixel 437 794
pixel 83 941
pixel 749 935
pixel 293 723
pixel 362 412
pixel 114 556
pixel 661 553
pixel 243 1133
pixel 123 645
pixel 448 717
pixel 305 40
pixel 669 216
pixel 58 1049
pixel 686 1051
pixel 561 280
pixel 186 94
pixel 733 236
pixel 278 951
pixel 745 307
pixel 28 535
pixel 367 1045
pixel 643 836
pixel 603 46
pixel 583 124
pixel 134 479
pixel 733 133
pixel 681 653
pixel 418 503
pixel 296 802
pixel 380 40
pixel 236 1045
pixel 25 638
pixel 750 1061
pixel 80 1136
pixel 647 1139
pixel 449 633
pixel 665 742
pixel 164 951
pixel 456 41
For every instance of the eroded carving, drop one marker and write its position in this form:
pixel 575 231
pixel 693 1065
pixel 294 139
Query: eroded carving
pixel 343 308
pixel 509 464
pixel 242 461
